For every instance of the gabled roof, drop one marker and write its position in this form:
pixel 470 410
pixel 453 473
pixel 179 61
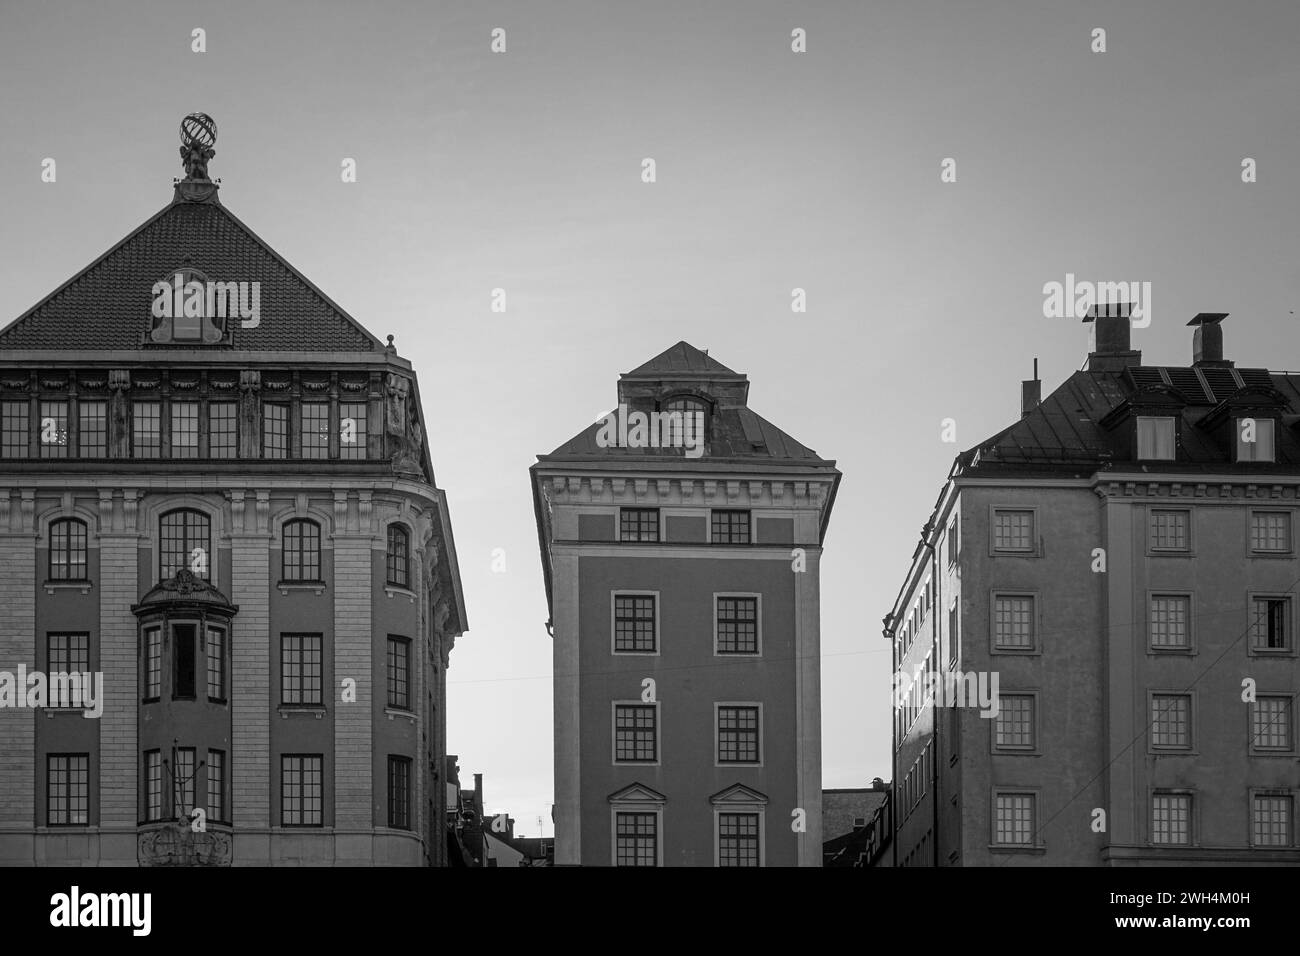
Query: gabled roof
pixel 682 357
pixel 107 305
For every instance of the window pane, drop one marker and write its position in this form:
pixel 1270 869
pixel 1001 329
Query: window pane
pixel 153 785
pixel 1171 720
pixel 730 527
pixel 634 623
pixel 1155 439
pixel 216 807
pixel 1013 622
pixel 54 430
pixel 223 430
pixel 1270 723
pixel 738 839
pixel 738 735
pixel 634 732
pixel 216 656
pixel 398 556
pixel 1014 723
pixel 301 551
pixel 1254 439
pixel 275 431
pixel 399 672
pixel 185 429
pixel 1014 823
pixel 183 656
pixel 1013 530
pixel 183 783
pixel 1171 818
pixel 737 625
pixel 68 550
pixel 1169 621
pixel 638 524
pixel 1270 531
pixel 146 430
pixel 1271 820
pixel 300 669
pixel 399 793
pixel 1270 624
pixel 1169 530
pixel 92 429
pixel 352 430
pixel 13 429
pixel 315 429
pixel 301 790
pixel 153 663
pixel 68 789
pixel 185 538
pixel 637 836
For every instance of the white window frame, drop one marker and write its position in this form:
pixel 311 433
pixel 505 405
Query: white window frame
pixel 758 627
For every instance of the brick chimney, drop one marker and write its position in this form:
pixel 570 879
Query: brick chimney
pixel 1111 351
pixel 1207 340
pixel 1031 393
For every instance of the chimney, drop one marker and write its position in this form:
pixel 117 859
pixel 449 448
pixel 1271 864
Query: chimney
pixel 1111 351
pixel 1031 393
pixel 1207 340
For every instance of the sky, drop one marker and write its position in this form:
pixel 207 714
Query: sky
pixel 775 170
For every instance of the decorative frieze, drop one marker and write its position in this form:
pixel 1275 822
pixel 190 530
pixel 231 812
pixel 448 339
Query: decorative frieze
pixel 1244 490
pixel 748 493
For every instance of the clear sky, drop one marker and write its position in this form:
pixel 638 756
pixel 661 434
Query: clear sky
pixel 775 170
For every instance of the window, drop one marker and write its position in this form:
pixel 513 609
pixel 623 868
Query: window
pixel 1014 723
pixel 1270 623
pixel 1170 530
pixel 399 793
pixel 636 733
pixel 67 793
pixel 13 429
pixel 146 430
pixel 1155 437
pixel 216 654
pixel 1170 617
pixel 738 734
pixel 688 432
pixel 1271 819
pixel 635 627
pixel 636 839
pixel 185 536
pixel 352 430
pixel 1270 723
pixel 730 527
pixel 300 560
pixel 315 430
pixel 92 429
pixel 738 839
pixel 216 807
pixel 54 429
pixel 953 544
pixel 1013 622
pixel 1013 531
pixel 300 669
pixel 954 636
pixel 185 429
pixel 737 625
pixel 223 430
pixel 152 663
pixel 1171 721
pixel 183 658
pixel 399 673
pixel 67 654
pixel 67 550
pixel 1171 818
pixel 1254 439
pixel 301 790
pixel 152 785
pixel 1270 531
pixel 183 775
pixel 1013 819
pixel 399 556
pixel 275 431
pixel 638 524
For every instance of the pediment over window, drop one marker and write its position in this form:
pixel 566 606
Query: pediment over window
pixel 637 793
pixel 738 794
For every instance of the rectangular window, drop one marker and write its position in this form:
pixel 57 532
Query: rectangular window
pixel 183 783
pixel 152 785
pixel 738 839
pixel 152 663
pixel 1270 531
pixel 216 808
pixel 223 430
pixel 1171 721
pixel 399 793
pixel 185 429
pixel 68 654
pixel 738 734
pixel 954 636
pixel 1013 622
pixel 399 673
pixel 216 653
pixel 1171 818
pixel 146 430
pixel 1270 624
pixel 315 430
pixel 183 654
pixel 352 430
pixel 54 429
pixel 637 839
pixel 67 793
pixel 737 623
pixel 275 431
pixel 1255 439
pixel 1155 439
pixel 636 733
pixel 1014 723
pixel 1013 531
pixel 14 429
pixel 300 669
pixel 1170 617
pixel 301 790
pixel 1170 530
pixel 1014 819
pixel 1270 723
pixel 730 527
pixel 1271 819
pixel 634 624
pixel 92 429
pixel 953 544
pixel 638 524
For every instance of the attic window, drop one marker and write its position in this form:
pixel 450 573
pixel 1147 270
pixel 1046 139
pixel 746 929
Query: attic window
pixel 1255 439
pixel 695 413
pixel 1155 439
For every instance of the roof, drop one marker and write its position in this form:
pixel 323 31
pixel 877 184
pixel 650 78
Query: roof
pixel 682 357
pixel 107 305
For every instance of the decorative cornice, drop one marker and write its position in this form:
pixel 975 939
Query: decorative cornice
pixel 1243 489
pixel 316 386
pixel 580 490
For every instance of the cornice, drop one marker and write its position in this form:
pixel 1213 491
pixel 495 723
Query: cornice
pixel 1219 490
pixel 707 492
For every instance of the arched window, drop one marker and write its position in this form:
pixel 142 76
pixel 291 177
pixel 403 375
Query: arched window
pixel 694 423
pixel 301 547
pixel 399 554
pixel 67 550
pixel 185 542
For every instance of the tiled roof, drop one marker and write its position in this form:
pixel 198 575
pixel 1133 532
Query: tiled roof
pixel 682 357
pixel 107 305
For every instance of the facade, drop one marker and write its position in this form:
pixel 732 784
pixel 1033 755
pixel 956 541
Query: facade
pixel 230 515
pixel 1122 559
pixel 682 575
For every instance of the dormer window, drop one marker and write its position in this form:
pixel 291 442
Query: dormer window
pixel 695 417
pixel 1255 439
pixel 1155 439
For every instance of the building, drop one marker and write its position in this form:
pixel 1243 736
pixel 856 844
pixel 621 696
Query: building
pixel 847 809
pixel 1122 562
pixel 216 496
pixel 681 540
